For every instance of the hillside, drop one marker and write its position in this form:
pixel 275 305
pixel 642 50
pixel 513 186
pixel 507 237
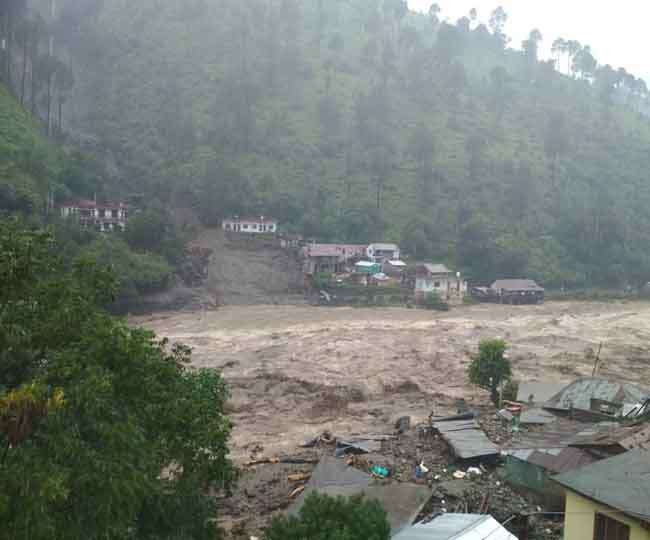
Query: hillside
pixel 26 160
pixel 359 121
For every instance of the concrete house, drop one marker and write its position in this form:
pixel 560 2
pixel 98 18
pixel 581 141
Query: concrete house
pixel 382 252
pixel 608 500
pixel 331 258
pixel 437 278
pixel 517 291
pixel 103 217
pixel 250 225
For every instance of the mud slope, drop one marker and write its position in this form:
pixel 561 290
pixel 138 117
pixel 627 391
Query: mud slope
pixel 249 271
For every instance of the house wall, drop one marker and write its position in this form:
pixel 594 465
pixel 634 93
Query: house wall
pixel 581 514
pixel 249 227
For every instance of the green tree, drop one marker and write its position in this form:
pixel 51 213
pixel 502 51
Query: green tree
pixel 489 368
pixel 326 518
pixel 105 432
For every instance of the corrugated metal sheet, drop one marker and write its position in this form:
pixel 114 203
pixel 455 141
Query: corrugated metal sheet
pixel 457 527
pixel 606 434
pixel 579 393
pixel 621 482
pixel 402 501
pixel 466 438
pixel 555 460
pixel 539 391
pixel 558 434
pixel 536 416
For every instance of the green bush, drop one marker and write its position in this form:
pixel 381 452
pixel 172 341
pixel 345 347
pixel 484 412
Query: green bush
pixel 327 518
pixel 434 302
pixel 490 366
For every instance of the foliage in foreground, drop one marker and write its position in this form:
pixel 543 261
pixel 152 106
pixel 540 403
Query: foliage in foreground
pixel 104 431
pixel 490 366
pixel 327 518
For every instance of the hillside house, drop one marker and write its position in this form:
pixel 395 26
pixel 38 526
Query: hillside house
pixel 331 258
pixel 437 278
pixel 517 291
pixel 250 225
pixel 382 252
pixel 103 217
pixel 609 499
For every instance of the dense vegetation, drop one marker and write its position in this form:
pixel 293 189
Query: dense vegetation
pixel 360 121
pixel 104 431
pixel 36 172
pixel 333 518
pixel 490 367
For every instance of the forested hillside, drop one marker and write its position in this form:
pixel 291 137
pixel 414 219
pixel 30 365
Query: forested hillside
pixel 360 120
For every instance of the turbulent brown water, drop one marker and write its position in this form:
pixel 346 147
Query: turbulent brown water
pixel 297 370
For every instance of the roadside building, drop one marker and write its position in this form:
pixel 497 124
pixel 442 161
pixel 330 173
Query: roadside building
pixel 103 217
pixel 250 225
pixel 517 291
pixel 608 500
pixel 395 269
pixel 437 278
pixel 331 258
pixel 457 527
pixel 381 252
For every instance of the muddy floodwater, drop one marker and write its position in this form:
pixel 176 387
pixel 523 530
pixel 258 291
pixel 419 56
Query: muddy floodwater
pixel 295 371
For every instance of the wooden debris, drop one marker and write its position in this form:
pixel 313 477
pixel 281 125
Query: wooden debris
pixel 296 492
pixel 298 477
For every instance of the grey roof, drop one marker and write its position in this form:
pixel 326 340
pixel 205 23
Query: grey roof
pixel 554 460
pixel 558 434
pixel 456 527
pixel 536 416
pixel 466 438
pixel 435 268
pixel 383 246
pixel 402 501
pixel 608 434
pixel 540 391
pixel 621 482
pixel 517 285
pixel 579 393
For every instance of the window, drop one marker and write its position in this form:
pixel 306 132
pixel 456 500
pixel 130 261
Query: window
pixel 254 226
pixel 245 226
pixel 436 284
pixel 606 528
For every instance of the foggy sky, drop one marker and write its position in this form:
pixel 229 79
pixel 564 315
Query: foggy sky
pixel 616 31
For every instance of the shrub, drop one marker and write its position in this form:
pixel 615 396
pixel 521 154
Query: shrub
pixel 327 518
pixel 434 302
pixel 490 366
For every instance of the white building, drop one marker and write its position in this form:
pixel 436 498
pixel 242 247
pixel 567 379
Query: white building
pixel 457 527
pixel 437 278
pixel 382 252
pixel 250 225
pixel 104 217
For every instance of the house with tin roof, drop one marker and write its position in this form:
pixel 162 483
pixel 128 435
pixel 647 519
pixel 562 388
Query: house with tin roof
pixel 457 527
pixel 609 499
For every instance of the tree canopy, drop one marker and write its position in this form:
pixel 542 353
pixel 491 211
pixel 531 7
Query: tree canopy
pixel 105 432
pixel 327 518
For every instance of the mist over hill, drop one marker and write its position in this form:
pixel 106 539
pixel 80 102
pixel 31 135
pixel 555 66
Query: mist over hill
pixel 359 120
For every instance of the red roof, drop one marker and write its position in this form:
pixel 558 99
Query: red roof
pixel 253 219
pixel 88 204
